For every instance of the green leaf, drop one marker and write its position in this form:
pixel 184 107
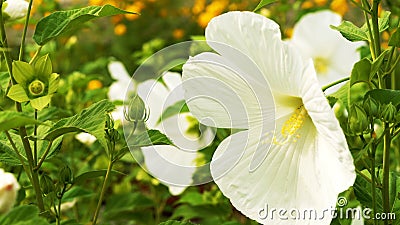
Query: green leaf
pixel 377 64
pixel 10 120
pixel 81 179
pixel 60 22
pixel 17 93
pixel 8 155
pixel 351 32
pixel 362 190
pixel 22 71
pixel 76 192
pixel 385 96
pixel 178 107
pixel 151 137
pixel 395 39
pixel 40 102
pixel 91 120
pixel 263 3
pixel 175 222
pixel 383 23
pixel 43 66
pixel 361 72
pixel 23 215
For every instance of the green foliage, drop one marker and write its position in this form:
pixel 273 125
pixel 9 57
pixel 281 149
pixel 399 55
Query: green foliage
pixel 91 120
pixel 263 3
pixel 151 137
pixel 59 23
pixel 10 120
pixel 385 96
pixel 23 215
pixel 351 32
pixel 178 107
pixel 395 39
pixel 174 222
pixel 361 72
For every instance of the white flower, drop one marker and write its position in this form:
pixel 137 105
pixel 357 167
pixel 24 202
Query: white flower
pixel 173 166
pixel 359 219
pixel 118 89
pixel 333 55
pixel 15 9
pixel 85 138
pixel 8 191
pixel 306 163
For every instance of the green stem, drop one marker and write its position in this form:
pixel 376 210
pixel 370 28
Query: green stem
pixel 375 27
pixel 35 140
pixel 373 180
pixel 335 83
pixel 386 170
pixel 22 47
pixel 371 37
pixel 43 156
pixel 103 191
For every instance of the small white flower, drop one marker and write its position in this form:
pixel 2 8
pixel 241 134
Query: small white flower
pixel 15 9
pixel 85 138
pixel 8 191
pixel 291 152
pixel 333 55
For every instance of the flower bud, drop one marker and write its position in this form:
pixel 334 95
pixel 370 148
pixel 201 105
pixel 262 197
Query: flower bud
pixel 66 175
pixel 47 185
pixel 358 121
pixel 136 110
pixel 371 107
pixel 388 113
pixel 8 191
pixel 15 9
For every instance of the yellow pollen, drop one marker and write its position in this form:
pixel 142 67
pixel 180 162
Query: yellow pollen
pixel 290 128
pixel 321 65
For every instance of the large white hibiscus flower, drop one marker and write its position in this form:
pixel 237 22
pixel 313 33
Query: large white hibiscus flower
pixel 305 163
pixel 333 55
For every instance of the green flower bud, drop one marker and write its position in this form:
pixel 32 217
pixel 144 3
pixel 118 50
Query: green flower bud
pixel 136 110
pixel 358 121
pixel 371 107
pixel 388 113
pixel 47 185
pixel 66 175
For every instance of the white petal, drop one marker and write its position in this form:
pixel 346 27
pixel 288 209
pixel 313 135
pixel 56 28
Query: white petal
pixel 293 176
pixel 118 89
pixel 170 165
pixel 85 138
pixel 221 93
pixel 259 39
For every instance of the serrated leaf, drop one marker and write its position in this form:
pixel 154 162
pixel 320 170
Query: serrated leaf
pixel 23 215
pixel 10 120
pixel 60 22
pixel 361 72
pixel 385 96
pixel 351 32
pixel 172 110
pixel 91 175
pixel 90 120
pixel 151 137
pixel 8 155
pixel 383 23
pixel 263 3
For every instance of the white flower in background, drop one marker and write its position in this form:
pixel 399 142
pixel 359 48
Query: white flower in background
pixel 358 220
pixel 119 88
pixel 304 163
pixel 173 166
pixel 85 138
pixel 8 191
pixel 15 9
pixel 333 55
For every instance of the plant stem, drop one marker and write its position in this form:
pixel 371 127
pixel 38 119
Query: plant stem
pixel 35 141
pixel 386 170
pixel 373 180
pixel 21 159
pixel 103 191
pixel 22 47
pixel 43 156
pixel 335 83
pixel 371 37
pixel 375 27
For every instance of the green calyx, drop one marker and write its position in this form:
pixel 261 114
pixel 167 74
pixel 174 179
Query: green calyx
pixel 35 82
